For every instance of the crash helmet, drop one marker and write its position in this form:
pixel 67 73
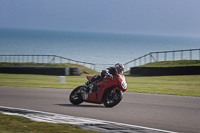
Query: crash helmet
pixel 119 68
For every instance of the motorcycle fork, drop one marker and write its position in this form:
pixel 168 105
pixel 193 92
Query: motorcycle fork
pixel 113 91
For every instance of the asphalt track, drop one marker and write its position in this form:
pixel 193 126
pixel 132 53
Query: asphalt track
pixel 166 112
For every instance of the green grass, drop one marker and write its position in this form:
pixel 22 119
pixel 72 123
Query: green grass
pixel 13 124
pixel 176 85
pixel 188 85
pixel 173 63
pixel 44 81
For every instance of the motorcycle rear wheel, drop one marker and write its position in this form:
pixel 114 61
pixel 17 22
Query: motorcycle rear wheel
pixel 111 100
pixel 75 96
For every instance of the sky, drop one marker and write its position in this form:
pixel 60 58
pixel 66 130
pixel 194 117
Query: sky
pixel 168 17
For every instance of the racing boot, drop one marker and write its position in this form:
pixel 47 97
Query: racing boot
pixel 86 85
pixel 95 78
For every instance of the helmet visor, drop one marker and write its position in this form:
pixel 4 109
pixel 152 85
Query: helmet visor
pixel 119 68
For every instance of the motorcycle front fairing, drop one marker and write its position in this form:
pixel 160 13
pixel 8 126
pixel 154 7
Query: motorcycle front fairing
pixel 116 83
pixel 123 84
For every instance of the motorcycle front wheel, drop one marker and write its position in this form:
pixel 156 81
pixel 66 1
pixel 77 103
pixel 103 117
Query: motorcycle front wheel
pixel 75 96
pixel 111 100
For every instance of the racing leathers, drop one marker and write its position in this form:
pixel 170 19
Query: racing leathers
pixel 108 72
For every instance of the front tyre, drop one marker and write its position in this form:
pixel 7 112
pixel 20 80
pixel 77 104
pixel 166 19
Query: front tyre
pixel 75 96
pixel 111 100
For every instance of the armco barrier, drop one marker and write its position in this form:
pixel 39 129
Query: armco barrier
pixel 60 71
pixel 162 71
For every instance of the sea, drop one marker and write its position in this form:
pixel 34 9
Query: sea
pixel 93 47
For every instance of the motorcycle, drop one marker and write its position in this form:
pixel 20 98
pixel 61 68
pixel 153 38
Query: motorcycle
pixel 108 91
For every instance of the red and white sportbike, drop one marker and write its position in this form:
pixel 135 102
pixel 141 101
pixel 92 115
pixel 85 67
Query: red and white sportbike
pixel 108 91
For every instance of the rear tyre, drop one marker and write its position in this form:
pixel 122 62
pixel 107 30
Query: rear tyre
pixel 111 100
pixel 75 96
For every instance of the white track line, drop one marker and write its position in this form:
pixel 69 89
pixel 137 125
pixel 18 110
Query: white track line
pixel 60 118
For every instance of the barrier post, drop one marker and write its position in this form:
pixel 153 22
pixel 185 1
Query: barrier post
pixel 62 79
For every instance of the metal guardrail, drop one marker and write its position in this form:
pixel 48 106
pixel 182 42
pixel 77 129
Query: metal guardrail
pixel 43 59
pixel 189 54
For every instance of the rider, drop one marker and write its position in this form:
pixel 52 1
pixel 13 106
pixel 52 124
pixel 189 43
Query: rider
pixel 110 72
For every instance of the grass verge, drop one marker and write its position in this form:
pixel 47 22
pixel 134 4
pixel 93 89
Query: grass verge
pixel 187 85
pixel 177 63
pixel 13 124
